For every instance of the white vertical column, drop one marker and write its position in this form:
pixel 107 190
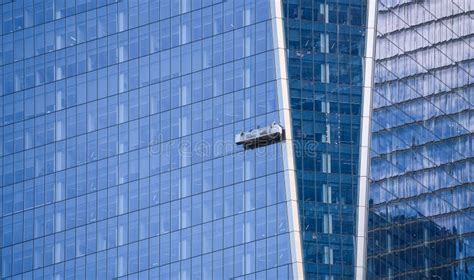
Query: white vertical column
pixel 364 154
pixel 287 145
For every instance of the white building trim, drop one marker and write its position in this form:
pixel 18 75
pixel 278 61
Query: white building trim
pixel 287 145
pixel 364 152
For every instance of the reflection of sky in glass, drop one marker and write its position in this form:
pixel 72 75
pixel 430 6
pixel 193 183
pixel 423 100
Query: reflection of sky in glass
pixel 118 157
pixel 421 191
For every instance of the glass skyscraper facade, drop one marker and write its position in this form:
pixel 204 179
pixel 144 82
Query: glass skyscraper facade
pixel 422 172
pixel 118 158
pixel 118 155
pixel 326 48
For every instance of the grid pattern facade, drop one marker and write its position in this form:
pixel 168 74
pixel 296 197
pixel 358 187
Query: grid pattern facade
pixel 325 42
pixel 118 158
pixel 422 172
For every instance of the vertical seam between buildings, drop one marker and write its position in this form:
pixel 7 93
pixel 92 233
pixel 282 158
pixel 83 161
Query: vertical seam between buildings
pixel 364 155
pixel 288 157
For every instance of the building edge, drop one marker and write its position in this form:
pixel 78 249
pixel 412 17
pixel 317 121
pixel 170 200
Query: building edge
pixel 282 88
pixel 365 137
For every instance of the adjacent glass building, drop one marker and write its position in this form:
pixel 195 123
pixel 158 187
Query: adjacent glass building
pixel 326 44
pixel 117 152
pixel 422 171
